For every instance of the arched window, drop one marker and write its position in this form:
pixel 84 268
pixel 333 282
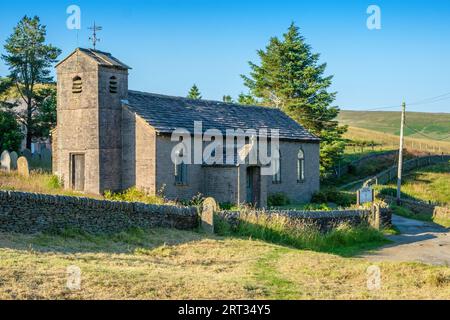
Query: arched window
pixel 276 177
pixel 77 85
pixel 113 84
pixel 301 166
pixel 181 170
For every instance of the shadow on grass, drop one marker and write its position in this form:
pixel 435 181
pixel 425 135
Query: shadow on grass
pixel 343 241
pixel 71 241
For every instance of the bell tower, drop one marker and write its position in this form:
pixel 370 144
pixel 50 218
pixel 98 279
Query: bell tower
pixel 91 87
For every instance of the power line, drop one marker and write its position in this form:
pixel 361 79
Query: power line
pixel 438 98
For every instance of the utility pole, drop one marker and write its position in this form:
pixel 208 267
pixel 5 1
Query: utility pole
pixel 400 155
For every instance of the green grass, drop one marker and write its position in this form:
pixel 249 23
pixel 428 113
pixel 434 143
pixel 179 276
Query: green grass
pixel 407 213
pixel 171 264
pixel 430 183
pixel 343 240
pixel 435 125
pixel 134 195
pixel 354 153
pixel 391 141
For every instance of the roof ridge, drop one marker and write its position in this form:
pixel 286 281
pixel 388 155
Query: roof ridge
pixel 203 100
pixel 163 113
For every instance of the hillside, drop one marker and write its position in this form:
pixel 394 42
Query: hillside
pixel 391 142
pixel 428 184
pixel 432 125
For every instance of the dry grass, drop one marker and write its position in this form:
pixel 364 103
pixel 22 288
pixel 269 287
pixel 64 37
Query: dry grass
pixel 168 264
pixel 38 182
pixel 45 183
pixel 392 141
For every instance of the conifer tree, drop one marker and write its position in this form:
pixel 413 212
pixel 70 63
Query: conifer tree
pixel 291 78
pixel 30 60
pixel 194 93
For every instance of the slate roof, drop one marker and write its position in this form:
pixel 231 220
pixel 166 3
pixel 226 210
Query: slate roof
pixel 104 59
pixel 167 113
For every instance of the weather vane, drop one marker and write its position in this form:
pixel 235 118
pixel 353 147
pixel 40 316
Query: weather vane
pixel 94 38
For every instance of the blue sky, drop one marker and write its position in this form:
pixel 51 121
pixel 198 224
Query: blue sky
pixel 173 44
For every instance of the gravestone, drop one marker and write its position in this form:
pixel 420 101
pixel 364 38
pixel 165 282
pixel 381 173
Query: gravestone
pixel 27 154
pixel 14 156
pixel 209 208
pixel 5 161
pixel 22 167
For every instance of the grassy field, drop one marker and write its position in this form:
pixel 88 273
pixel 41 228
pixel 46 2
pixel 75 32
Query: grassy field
pixel 428 184
pixel 168 264
pixel 390 141
pixel 261 260
pixel 352 154
pixel 434 125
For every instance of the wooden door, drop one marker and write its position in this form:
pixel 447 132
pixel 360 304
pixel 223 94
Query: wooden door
pixel 254 186
pixel 77 174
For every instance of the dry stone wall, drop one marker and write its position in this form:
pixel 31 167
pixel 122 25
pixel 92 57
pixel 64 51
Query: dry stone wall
pixel 323 220
pixel 29 213
pixel 420 207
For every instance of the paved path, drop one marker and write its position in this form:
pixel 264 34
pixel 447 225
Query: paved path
pixel 419 241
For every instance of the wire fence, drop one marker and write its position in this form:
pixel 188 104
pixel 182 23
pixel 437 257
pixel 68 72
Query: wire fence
pixel 392 141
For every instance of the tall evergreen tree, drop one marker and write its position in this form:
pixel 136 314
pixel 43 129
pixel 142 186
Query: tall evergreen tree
pixel 291 78
pixel 194 93
pixel 29 60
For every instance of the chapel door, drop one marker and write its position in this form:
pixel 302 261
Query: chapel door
pixel 253 186
pixel 77 172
